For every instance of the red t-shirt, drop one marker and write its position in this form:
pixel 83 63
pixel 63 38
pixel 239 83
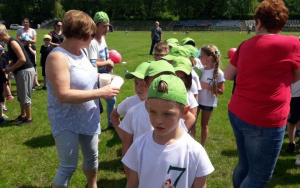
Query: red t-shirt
pixel 265 66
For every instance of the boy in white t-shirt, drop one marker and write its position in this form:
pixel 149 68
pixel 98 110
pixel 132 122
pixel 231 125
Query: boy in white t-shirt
pixel 167 156
pixel 136 121
pixel 141 91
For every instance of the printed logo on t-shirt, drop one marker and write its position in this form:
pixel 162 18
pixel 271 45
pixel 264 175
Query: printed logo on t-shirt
pixel 172 170
pixel 104 53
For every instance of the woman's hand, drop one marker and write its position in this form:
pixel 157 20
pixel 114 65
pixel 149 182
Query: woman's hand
pixel 107 92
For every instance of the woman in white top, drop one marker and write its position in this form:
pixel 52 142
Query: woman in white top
pixel 31 33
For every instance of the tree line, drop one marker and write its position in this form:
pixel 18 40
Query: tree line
pixel 13 11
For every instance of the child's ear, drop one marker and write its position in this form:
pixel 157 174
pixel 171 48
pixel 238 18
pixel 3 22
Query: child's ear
pixel 186 109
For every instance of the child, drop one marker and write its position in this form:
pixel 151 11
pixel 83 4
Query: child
pixel 183 68
pixel 141 95
pixel 137 122
pixel 161 49
pixel 212 83
pixel 167 156
pixel 3 64
pixel 31 52
pixel 45 50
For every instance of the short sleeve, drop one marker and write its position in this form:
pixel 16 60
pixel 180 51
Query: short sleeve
pixel 33 32
pixel 126 123
pixel 122 107
pixel 131 157
pixel 93 51
pixel 221 76
pixel 204 164
pixel 296 55
pixel 194 88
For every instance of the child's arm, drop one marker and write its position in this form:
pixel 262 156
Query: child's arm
pixel 221 87
pixel 190 119
pixel 199 182
pixel 115 119
pixel 205 85
pixel 127 140
pixel 31 49
pixel 133 179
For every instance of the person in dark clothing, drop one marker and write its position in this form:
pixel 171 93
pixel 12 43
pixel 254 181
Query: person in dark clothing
pixel 156 36
pixel 45 50
pixel 23 68
pixel 3 64
pixel 56 35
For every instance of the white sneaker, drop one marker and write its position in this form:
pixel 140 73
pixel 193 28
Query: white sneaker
pixel 4 108
pixel 298 160
pixel 5 116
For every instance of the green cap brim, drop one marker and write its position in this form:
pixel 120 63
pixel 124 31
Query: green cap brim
pixel 134 75
pixel 198 72
pixel 169 57
pixel 183 69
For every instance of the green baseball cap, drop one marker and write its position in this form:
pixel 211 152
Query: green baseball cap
pixel 186 40
pixel 182 64
pixel 139 71
pixel 172 42
pixel 192 49
pixel 176 89
pixel 157 67
pixel 101 17
pixel 177 51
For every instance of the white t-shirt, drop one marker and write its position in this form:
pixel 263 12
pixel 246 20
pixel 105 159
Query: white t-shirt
pixel 295 88
pixel 196 79
pixel 137 122
pixel 206 97
pixel 194 88
pixel 199 64
pixel 30 33
pixel 98 50
pixel 191 100
pixel 125 105
pixel 175 165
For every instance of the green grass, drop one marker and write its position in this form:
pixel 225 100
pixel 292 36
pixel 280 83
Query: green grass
pixel 28 156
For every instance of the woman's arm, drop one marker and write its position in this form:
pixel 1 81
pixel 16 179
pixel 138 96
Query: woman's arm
pixel 57 70
pixel 33 41
pixel 296 75
pixel 230 72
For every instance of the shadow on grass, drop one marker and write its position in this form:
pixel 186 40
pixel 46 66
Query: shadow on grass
pixel 111 183
pixel 41 141
pixel 31 186
pixel 230 153
pixel 8 124
pixel 281 176
pixel 113 166
pixel 115 140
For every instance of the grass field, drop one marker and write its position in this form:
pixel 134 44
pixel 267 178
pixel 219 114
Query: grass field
pixel 28 157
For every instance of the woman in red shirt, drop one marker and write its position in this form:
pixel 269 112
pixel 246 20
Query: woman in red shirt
pixel 265 67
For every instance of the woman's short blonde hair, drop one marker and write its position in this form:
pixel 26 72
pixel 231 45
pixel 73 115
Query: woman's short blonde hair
pixel 273 15
pixel 78 25
pixel 3 29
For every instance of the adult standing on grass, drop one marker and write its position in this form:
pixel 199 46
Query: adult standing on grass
pixel 31 33
pixel 156 36
pixel 98 51
pixel 22 66
pixel 73 94
pixel 265 67
pixel 56 35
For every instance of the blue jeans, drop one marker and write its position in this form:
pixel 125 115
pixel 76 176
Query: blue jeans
pixel 110 106
pixel 67 145
pixel 258 149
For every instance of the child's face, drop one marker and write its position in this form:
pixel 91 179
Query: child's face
pixel 141 88
pixel 164 116
pixel 206 60
pixel 158 55
pixel 46 41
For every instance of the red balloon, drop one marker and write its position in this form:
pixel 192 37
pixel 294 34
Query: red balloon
pixel 115 56
pixel 231 52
